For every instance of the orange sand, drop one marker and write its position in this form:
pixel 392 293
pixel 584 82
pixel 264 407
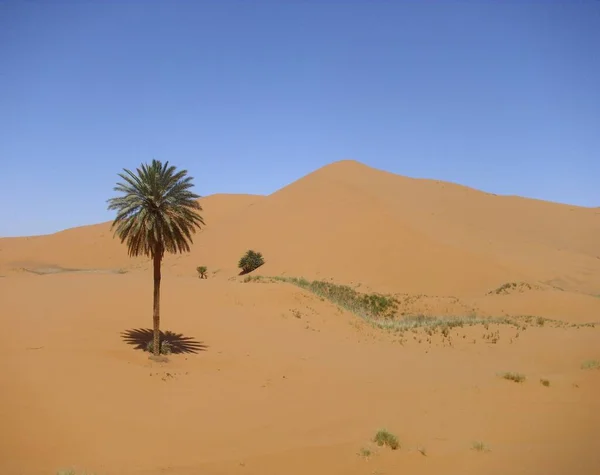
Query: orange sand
pixel 289 383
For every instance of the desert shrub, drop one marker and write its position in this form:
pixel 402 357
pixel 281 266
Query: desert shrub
pixel 365 452
pixel 516 377
pixel 383 437
pixel 251 261
pixel 480 447
pixel 202 271
pixel 165 347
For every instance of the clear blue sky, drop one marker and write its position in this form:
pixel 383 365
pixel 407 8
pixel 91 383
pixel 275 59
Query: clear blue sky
pixel 502 96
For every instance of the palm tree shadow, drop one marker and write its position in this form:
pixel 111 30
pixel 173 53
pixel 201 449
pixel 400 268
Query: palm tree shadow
pixel 180 344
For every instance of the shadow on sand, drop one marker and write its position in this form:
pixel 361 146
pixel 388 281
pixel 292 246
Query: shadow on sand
pixel 140 337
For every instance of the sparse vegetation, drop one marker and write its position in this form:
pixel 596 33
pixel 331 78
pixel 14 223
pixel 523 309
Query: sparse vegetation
pixel 365 452
pixel 381 310
pixel 250 261
pixel 544 382
pixel 590 364
pixel 383 437
pixel 433 324
pixel 516 377
pixel 202 272
pixel 511 287
pixel 156 213
pixel 372 305
pixel 480 447
pixel 165 347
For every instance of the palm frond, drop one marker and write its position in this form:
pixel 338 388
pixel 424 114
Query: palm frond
pixel 156 210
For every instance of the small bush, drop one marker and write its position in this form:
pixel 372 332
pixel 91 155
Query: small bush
pixel 516 377
pixel 165 347
pixel 250 261
pixel 202 272
pixel 480 447
pixel 383 437
pixel 365 452
pixel 544 382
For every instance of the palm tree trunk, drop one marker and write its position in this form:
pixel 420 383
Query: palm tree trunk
pixel 156 310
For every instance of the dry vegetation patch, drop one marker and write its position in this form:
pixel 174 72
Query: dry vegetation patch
pixel 590 364
pixel 388 312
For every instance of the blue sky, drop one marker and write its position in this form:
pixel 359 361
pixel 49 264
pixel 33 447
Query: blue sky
pixel 248 96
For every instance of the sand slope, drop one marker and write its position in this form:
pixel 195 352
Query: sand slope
pixel 348 221
pixel 287 384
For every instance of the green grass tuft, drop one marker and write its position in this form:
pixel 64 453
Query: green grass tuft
pixel 480 447
pixel 365 452
pixel 383 437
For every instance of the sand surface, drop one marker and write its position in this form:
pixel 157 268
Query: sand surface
pixel 278 380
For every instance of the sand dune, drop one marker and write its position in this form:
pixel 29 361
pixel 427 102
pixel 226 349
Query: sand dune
pixel 94 247
pixel 355 224
pixel 348 220
pixel 288 382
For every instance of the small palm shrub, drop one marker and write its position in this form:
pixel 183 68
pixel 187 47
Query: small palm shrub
pixel 250 261
pixel 202 272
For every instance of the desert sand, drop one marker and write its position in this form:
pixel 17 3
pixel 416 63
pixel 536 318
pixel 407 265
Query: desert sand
pixel 278 380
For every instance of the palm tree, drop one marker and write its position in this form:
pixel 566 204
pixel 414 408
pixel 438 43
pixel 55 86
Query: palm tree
pixel 156 212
